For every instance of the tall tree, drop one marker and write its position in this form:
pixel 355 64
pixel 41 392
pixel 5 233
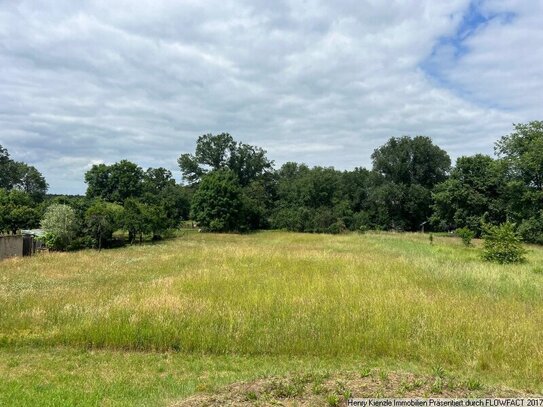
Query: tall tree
pixel 218 204
pixel 155 180
pixel 21 176
pixel 17 211
pixel 408 161
pixel 102 219
pixel 410 168
pixel 221 151
pixel 472 195
pixel 116 182
pixel 523 150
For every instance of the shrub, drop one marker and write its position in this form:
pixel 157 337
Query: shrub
pixel 531 229
pixel 83 242
pixel 466 235
pixel 502 244
pixel 337 227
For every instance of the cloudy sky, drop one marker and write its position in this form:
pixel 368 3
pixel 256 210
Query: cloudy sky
pixel 322 82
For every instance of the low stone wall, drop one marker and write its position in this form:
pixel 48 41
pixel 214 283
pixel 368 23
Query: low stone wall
pixel 11 246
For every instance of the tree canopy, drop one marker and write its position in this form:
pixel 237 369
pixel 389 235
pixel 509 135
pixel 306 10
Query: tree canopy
pixel 21 176
pixel 218 203
pixel 221 151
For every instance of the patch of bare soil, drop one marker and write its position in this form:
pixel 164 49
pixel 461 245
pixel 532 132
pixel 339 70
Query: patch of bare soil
pixel 334 390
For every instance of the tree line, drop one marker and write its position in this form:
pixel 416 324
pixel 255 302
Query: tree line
pixel 232 186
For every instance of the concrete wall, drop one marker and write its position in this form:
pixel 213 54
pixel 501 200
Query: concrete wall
pixel 11 246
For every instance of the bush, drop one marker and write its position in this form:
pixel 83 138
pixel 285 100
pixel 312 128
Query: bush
pixel 531 230
pixel 502 244
pixel 337 227
pixel 466 235
pixel 79 243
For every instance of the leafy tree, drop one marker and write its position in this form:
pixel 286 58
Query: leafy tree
pixel 133 219
pixel 6 171
pixel 22 217
pixel 472 195
pixel 18 175
pixel 408 161
pixel 31 181
pixel 59 224
pixel 310 200
pixel 355 187
pixel 155 220
pixel 170 200
pixel 523 149
pixel 258 203
pixel 522 152
pixel 218 204
pixel 174 201
pixel 156 180
pixel 385 206
pixel 17 211
pixel 214 152
pixel 116 182
pixel 102 220
pixel 80 205
pixel 410 168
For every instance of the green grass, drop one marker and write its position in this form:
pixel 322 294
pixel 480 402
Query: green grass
pixel 223 308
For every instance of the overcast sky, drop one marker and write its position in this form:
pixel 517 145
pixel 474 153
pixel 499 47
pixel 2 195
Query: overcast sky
pixel 320 82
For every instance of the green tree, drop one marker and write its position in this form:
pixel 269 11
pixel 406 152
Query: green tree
pixel 502 244
pixel 311 200
pixel 17 211
pixel 218 204
pixel 6 171
pixel 522 152
pixel 410 168
pixel 531 230
pixel 102 220
pixel 59 224
pixel 116 182
pixel 166 198
pixel 18 175
pixel 473 194
pixel 133 219
pixel 221 151
pixel 155 220
pixel 174 201
pixel 156 180
pixel 31 181
pixel 523 149
pixel 408 161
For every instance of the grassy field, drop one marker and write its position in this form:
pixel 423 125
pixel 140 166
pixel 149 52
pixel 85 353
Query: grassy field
pixel 151 324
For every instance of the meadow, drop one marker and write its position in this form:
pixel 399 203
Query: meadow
pixel 151 324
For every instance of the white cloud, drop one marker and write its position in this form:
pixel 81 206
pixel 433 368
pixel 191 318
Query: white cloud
pixel 321 82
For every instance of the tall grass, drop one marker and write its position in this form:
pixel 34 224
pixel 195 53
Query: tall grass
pixel 284 294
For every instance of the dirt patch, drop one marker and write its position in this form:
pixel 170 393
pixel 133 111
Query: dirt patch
pixel 320 389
